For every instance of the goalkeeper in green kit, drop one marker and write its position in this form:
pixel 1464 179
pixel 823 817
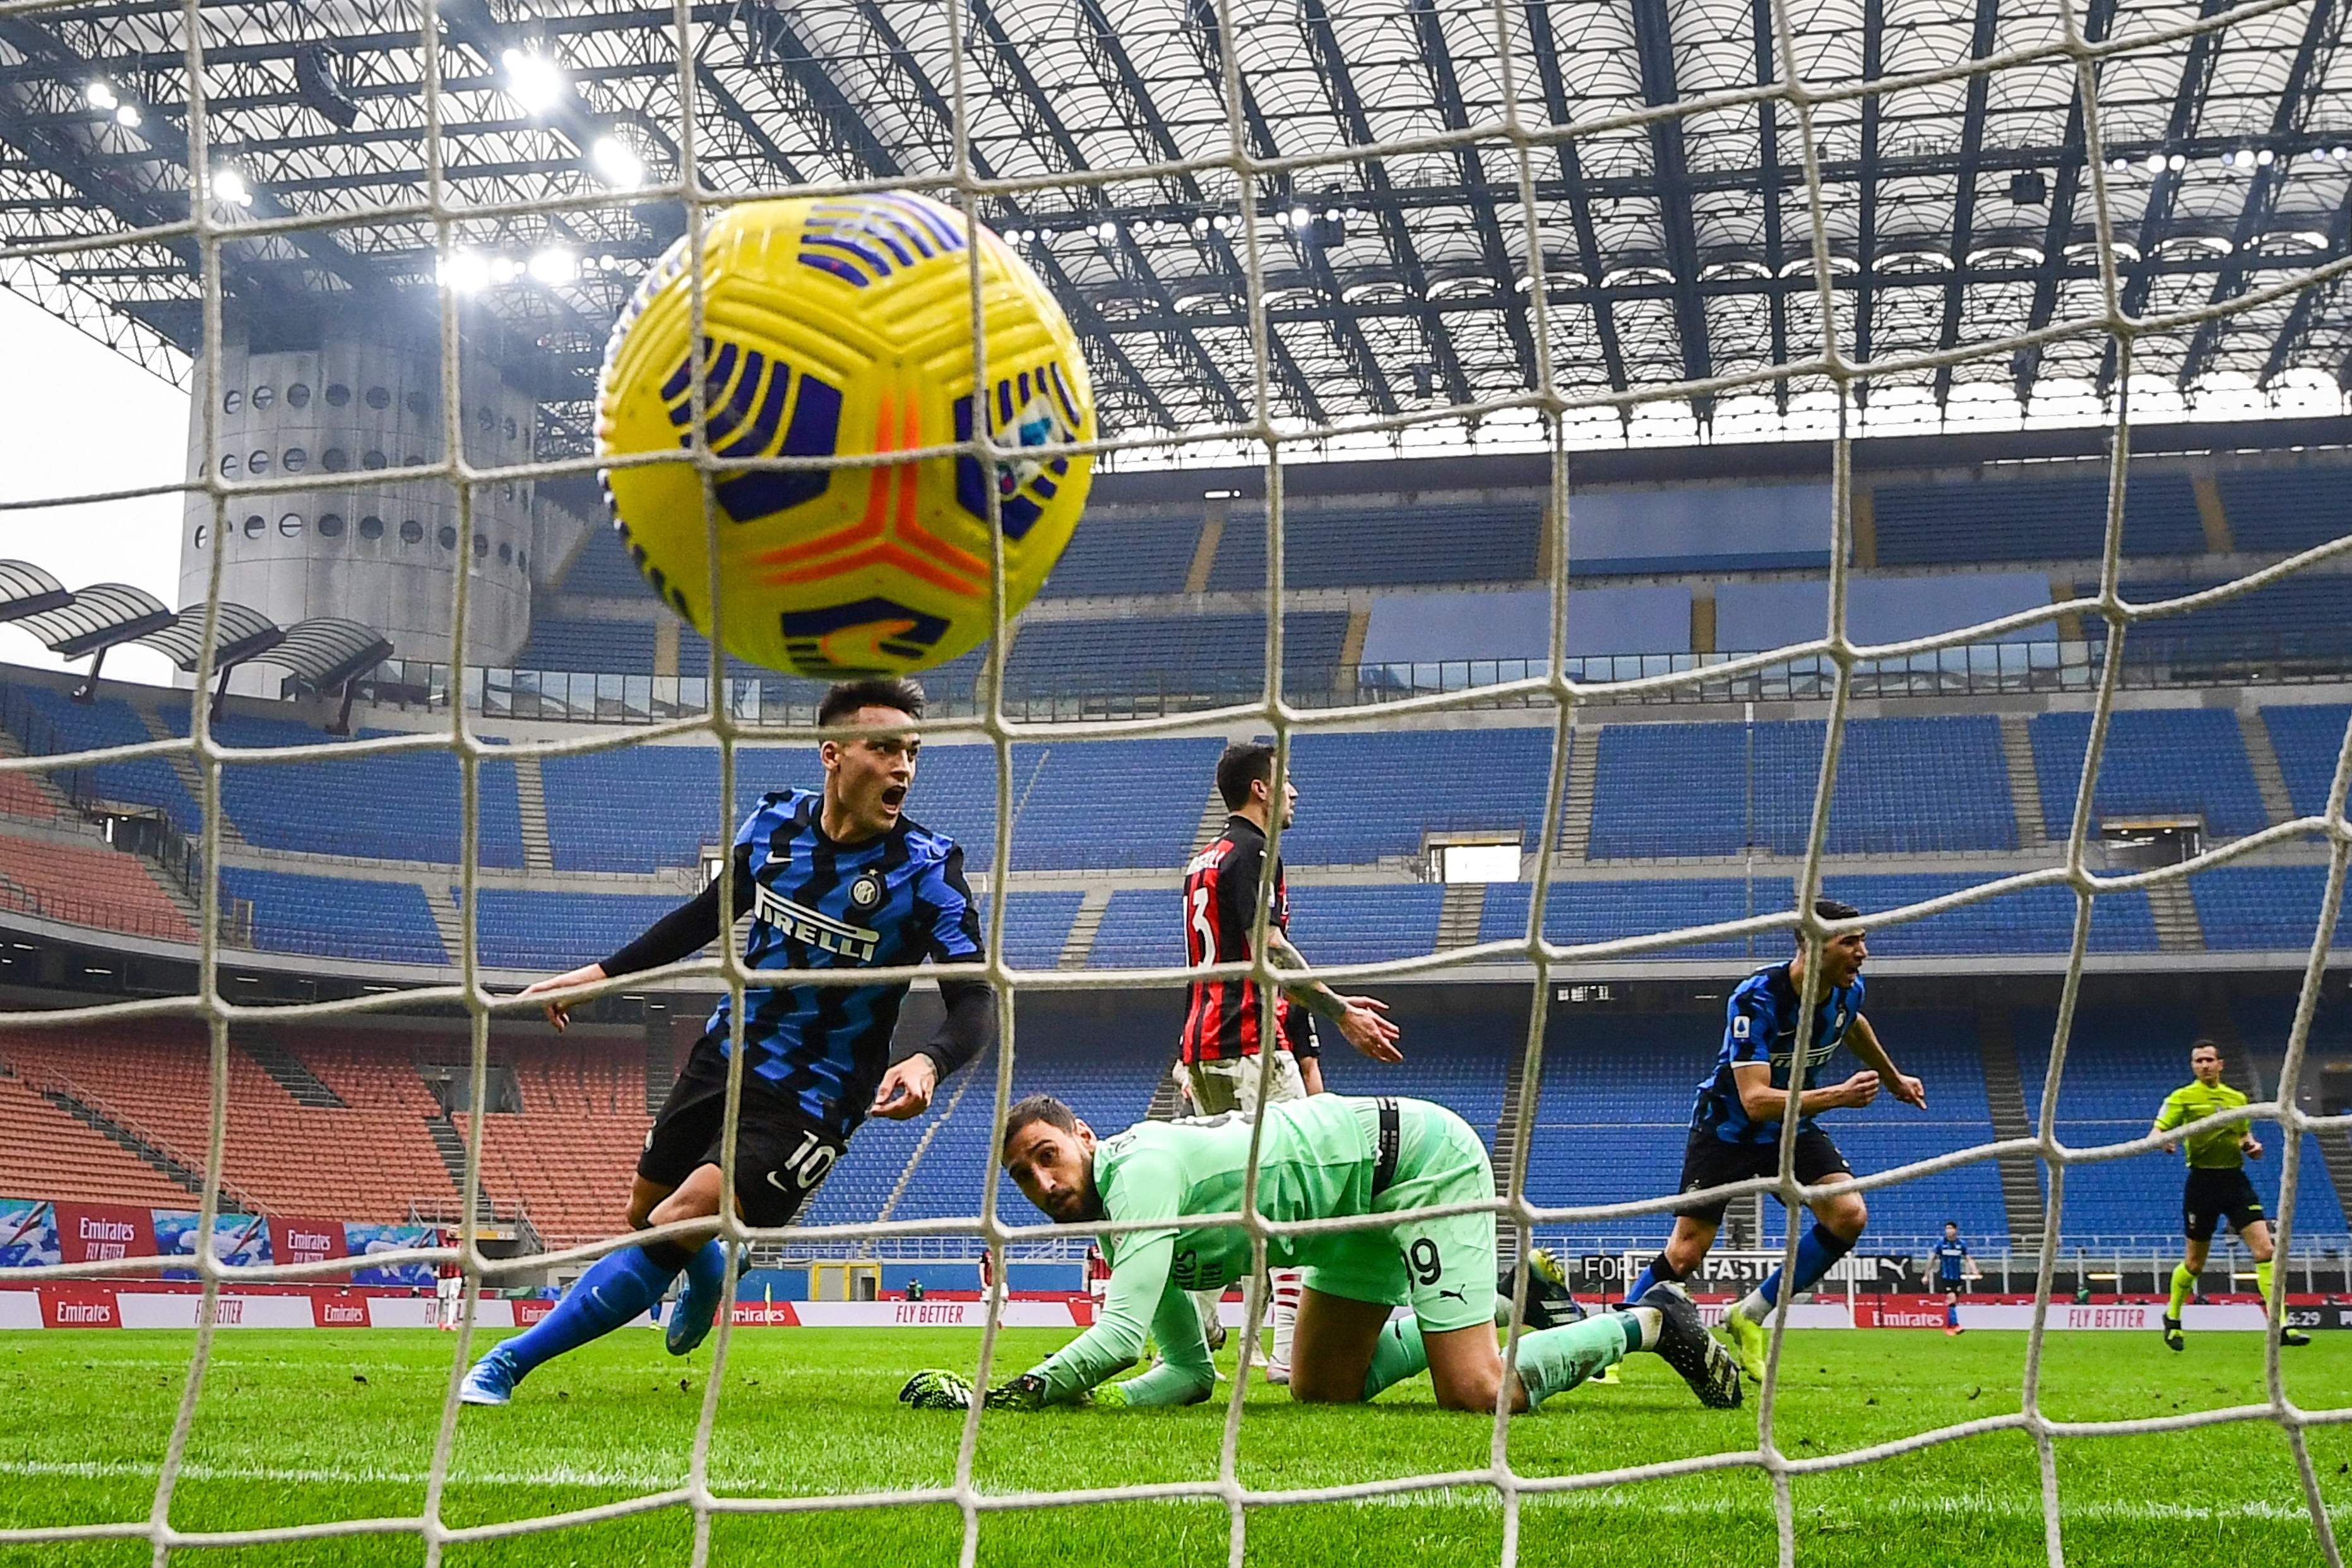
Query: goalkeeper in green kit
pixel 1329 1157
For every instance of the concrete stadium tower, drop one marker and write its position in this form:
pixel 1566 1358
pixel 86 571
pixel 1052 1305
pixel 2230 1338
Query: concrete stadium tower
pixel 339 400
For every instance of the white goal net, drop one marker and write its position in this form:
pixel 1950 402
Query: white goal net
pixel 224 219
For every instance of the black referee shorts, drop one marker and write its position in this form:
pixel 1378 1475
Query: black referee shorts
pixel 2214 1195
pixel 780 1151
pixel 1709 1161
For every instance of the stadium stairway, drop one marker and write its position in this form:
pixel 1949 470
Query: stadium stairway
pixel 2021 1176
pixel 303 1086
pixel 2336 1150
pixel 130 1143
pixel 1575 812
pixel 1079 945
pixel 2024 784
pixel 2263 758
pixel 1462 914
pixel 531 795
pixel 183 767
pixel 2174 909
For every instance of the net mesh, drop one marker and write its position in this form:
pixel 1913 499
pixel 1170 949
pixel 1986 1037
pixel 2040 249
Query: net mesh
pixel 210 225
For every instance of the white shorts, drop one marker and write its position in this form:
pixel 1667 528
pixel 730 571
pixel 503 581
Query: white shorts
pixel 1231 1084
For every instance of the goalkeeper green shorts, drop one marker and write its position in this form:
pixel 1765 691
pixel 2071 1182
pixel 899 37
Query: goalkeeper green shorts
pixel 1442 1268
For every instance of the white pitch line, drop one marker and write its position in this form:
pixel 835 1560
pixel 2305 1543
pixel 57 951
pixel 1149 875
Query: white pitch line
pixel 1628 1498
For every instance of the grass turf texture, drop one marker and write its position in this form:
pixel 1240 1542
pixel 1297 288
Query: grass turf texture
pixel 323 1424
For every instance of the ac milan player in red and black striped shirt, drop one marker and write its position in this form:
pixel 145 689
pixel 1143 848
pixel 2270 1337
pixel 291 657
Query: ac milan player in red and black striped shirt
pixel 1227 1021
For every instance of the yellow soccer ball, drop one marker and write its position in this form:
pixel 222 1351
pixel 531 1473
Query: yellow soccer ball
pixel 841 326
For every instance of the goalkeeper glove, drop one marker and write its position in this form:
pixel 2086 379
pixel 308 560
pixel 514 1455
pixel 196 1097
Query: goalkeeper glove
pixel 1026 1392
pixel 936 1390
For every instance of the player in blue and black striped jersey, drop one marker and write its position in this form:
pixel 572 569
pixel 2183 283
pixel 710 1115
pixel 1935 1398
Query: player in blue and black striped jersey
pixel 1953 1266
pixel 1735 1132
pixel 831 878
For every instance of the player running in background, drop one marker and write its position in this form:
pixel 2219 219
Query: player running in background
pixel 1953 1269
pixel 1332 1156
pixel 1736 1121
pixel 2217 1188
pixel 831 878
pixel 1226 1020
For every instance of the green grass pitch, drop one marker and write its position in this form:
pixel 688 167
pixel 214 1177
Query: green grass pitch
pixel 321 1424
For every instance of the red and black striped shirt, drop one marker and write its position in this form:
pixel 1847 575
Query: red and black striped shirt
pixel 1223 1019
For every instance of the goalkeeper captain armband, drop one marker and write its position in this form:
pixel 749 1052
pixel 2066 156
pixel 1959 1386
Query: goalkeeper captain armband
pixel 1026 1392
pixel 935 1390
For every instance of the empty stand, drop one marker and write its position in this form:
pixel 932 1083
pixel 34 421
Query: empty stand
pixel 1583 911
pixel 2302 617
pixel 2307 741
pixel 404 806
pixel 2037 920
pixel 2259 909
pixel 1904 786
pixel 1365 797
pixel 1398 544
pixel 603 569
pixel 85 726
pixel 21 796
pixel 1173 656
pixel 2121 1062
pixel 389 922
pixel 87 886
pixel 2284 509
pixel 2157 762
pixel 47 1151
pixel 2031 519
pixel 598 647
pixel 1116 553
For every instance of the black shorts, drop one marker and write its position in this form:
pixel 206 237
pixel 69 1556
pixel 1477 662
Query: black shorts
pixel 781 1152
pixel 1954 1285
pixel 1709 1161
pixel 2212 1197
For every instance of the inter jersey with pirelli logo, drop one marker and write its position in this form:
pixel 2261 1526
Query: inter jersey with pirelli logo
pixel 1223 1018
pixel 818 904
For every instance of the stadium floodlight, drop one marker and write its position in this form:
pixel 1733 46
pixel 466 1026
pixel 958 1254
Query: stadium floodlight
pixel 553 263
pixel 616 162
pixel 2178 162
pixel 99 94
pixel 2156 163
pixel 505 269
pixel 2266 157
pixel 127 116
pixel 533 80
pixel 229 186
pixel 465 272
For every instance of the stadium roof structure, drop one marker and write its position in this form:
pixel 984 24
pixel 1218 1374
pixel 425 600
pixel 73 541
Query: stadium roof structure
pixel 1958 211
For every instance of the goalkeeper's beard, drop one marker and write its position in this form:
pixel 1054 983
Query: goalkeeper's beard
pixel 1090 1203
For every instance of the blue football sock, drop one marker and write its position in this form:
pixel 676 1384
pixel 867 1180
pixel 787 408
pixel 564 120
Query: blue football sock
pixel 621 1285
pixel 1816 1250
pixel 1655 1272
pixel 1951 1314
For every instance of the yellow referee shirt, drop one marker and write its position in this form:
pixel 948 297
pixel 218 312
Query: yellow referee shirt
pixel 2216 1148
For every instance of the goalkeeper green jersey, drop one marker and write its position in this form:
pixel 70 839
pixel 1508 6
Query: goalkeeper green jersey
pixel 2216 1148
pixel 1315 1161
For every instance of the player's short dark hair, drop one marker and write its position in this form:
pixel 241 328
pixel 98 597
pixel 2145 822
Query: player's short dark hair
pixel 1830 910
pixel 1243 764
pixel 870 692
pixel 1037 1107
pixel 1951 1224
pixel 2212 1045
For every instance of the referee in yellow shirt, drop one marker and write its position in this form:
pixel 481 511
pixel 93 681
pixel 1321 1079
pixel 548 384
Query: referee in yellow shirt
pixel 2218 1189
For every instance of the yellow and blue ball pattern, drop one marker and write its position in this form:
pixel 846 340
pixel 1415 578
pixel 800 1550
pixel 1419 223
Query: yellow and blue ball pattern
pixel 842 327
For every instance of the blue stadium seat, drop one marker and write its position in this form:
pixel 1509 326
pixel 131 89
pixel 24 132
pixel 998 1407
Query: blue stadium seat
pixel 2285 509
pixel 2302 617
pixel 527 929
pixel 2039 920
pixel 641 808
pixel 1120 552
pixel 1367 923
pixel 1582 911
pixel 2031 519
pixel 1365 797
pixel 2121 1062
pixel 2259 909
pixel 403 805
pixel 597 648
pixel 1173 655
pixel 142 781
pixel 1614 1111
pixel 1904 786
pixel 383 922
pixel 1399 545
pixel 2307 741
pixel 603 568
pixel 2156 760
